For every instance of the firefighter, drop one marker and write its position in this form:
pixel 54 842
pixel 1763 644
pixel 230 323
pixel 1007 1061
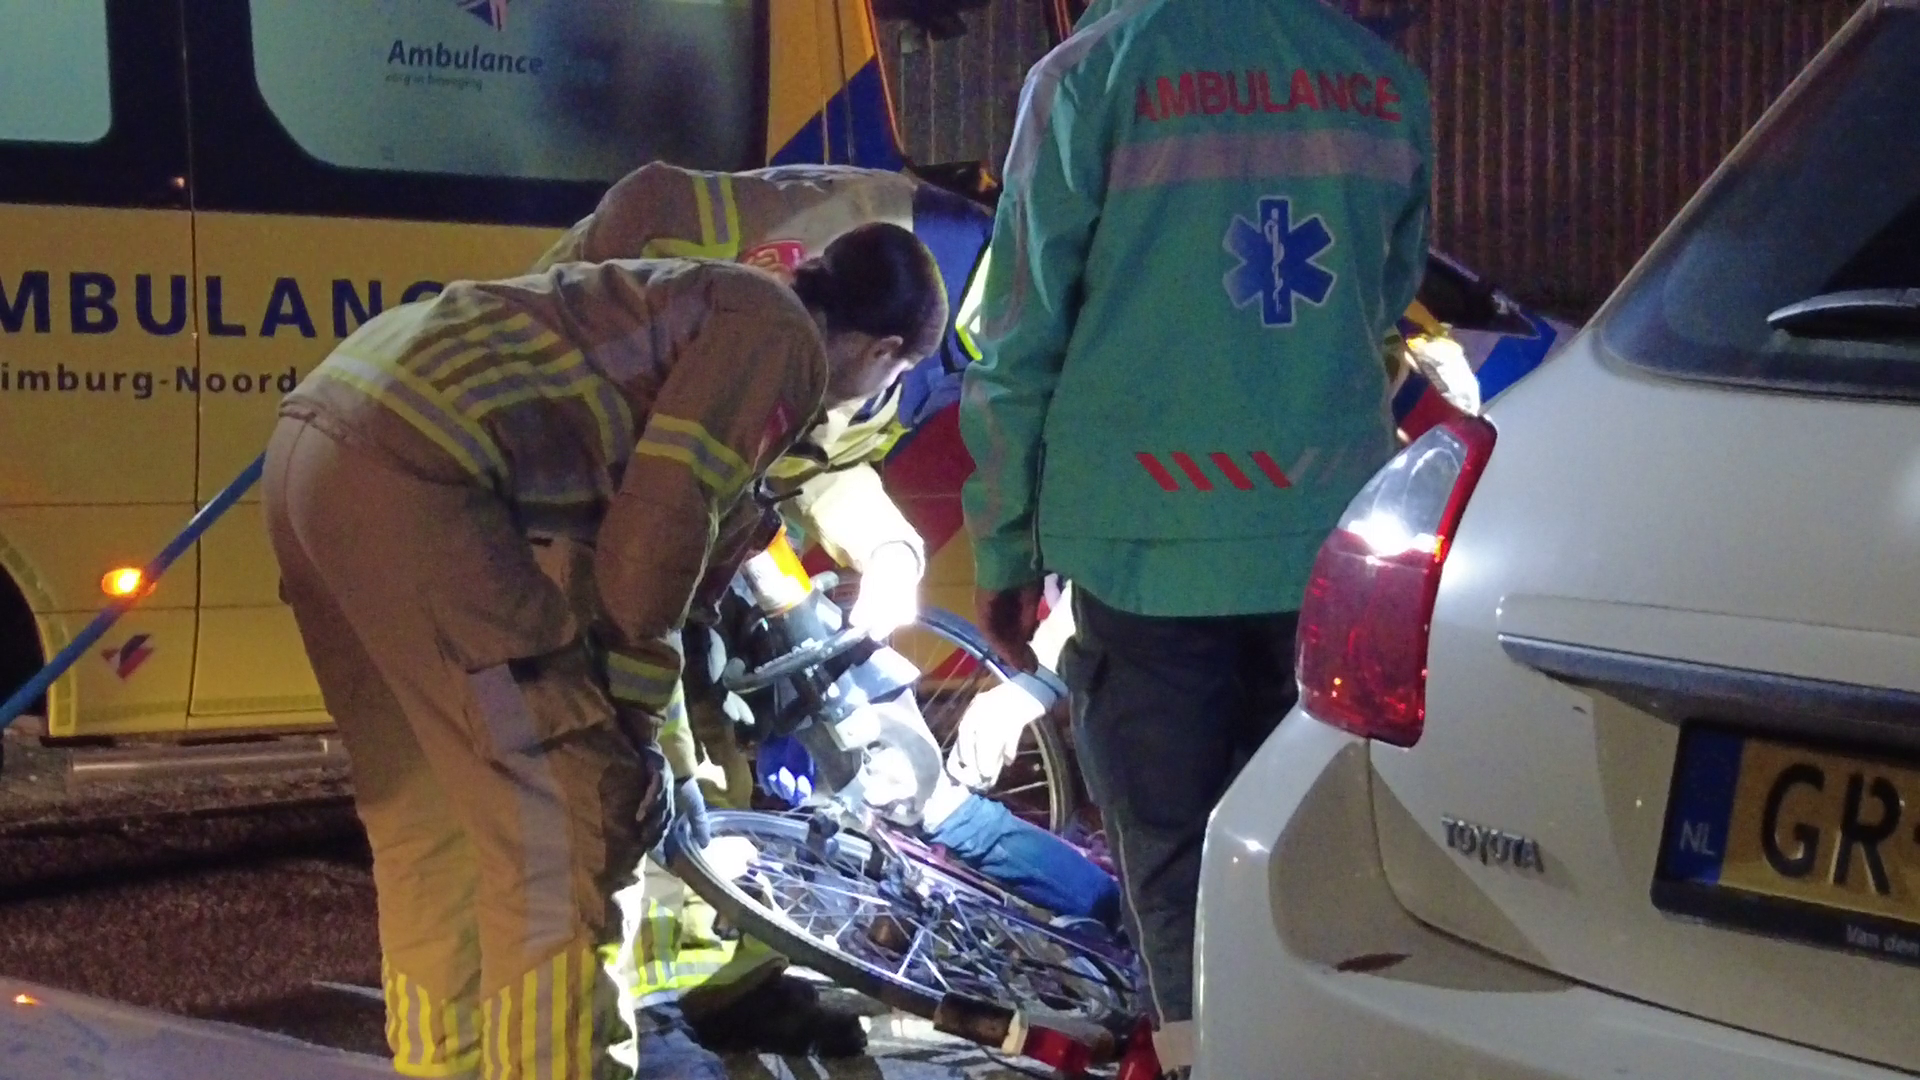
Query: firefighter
pixel 491 510
pixel 1214 213
pixel 831 493
pixel 775 218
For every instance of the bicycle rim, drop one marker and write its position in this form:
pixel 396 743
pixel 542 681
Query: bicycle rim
pixel 907 949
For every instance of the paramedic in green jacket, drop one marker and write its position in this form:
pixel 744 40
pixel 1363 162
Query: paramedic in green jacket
pixel 1214 212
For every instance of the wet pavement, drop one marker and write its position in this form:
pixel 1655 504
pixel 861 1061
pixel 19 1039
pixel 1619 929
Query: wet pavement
pixel 251 901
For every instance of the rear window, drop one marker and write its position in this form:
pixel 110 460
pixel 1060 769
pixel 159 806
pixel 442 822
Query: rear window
pixel 521 89
pixel 1824 199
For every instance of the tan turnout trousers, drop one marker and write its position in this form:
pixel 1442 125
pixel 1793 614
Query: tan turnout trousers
pixel 498 792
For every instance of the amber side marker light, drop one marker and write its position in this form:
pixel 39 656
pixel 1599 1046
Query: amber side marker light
pixel 123 582
pixel 25 999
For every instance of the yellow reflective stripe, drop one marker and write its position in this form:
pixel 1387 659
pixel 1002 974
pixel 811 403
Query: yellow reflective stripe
pixel 712 462
pixel 719 450
pixel 423 1026
pixel 683 456
pixel 403 1044
pixel 386 987
pixel 731 211
pixel 676 720
pixel 465 1051
pixel 630 678
pixel 587 1018
pixel 465 440
pixel 558 1001
pixel 967 342
pixel 704 204
pixel 529 1022
pixel 542 349
pixel 503 1027
pixel 436 353
pixel 563 383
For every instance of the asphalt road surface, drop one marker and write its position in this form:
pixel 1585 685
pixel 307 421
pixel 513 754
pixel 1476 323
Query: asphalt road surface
pixel 251 901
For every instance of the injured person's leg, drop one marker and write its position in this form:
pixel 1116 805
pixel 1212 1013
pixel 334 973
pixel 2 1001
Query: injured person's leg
pixel 898 781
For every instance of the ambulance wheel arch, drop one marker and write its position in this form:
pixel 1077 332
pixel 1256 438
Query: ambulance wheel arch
pixel 21 651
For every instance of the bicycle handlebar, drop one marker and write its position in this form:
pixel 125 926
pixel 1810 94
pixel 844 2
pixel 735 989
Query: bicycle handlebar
pixel 795 662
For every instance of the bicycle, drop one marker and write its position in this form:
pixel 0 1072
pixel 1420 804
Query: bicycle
pixel 848 890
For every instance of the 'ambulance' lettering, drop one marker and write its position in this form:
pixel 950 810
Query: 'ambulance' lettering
pixel 92 299
pixel 346 299
pixel 90 304
pixel 176 305
pixel 286 308
pixel 32 291
pixel 1213 93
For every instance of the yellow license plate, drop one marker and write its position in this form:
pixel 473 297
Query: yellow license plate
pixel 1793 841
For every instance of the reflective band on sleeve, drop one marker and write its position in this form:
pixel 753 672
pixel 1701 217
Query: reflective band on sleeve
pixel 650 686
pixel 1189 159
pixel 676 713
pixel 714 464
pixel 727 227
pixel 719 216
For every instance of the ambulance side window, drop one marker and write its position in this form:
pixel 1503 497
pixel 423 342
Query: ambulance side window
pixel 53 71
pixel 499 111
pixel 92 107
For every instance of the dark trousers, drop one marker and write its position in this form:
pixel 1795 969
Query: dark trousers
pixel 1165 713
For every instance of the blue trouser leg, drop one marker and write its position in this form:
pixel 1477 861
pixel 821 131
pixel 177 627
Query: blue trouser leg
pixel 1165 712
pixel 1028 861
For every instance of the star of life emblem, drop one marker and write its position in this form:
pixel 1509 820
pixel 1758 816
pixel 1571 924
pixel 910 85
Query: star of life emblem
pixel 1276 261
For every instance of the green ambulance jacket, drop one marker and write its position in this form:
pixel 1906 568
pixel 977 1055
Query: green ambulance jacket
pixel 1214 212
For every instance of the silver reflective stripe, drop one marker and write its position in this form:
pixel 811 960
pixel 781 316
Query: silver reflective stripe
pixel 1030 130
pixel 477 341
pixel 546 868
pixel 717 203
pixel 619 414
pixel 1190 159
pixel 523 378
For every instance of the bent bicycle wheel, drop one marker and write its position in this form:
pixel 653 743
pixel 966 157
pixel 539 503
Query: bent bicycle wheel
pixel 957 664
pixel 907 945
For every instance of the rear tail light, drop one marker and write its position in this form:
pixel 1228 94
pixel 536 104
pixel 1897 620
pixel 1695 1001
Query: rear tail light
pixel 1369 604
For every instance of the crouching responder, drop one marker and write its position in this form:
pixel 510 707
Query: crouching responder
pixel 776 218
pixel 503 727
pixel 829 490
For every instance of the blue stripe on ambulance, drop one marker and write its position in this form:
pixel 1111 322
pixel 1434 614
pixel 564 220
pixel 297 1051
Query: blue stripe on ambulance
pixel 863 103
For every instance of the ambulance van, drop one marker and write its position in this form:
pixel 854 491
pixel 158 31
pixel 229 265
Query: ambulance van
pixel 199 198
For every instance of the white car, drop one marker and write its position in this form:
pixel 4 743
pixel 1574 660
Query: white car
pixel 1607 760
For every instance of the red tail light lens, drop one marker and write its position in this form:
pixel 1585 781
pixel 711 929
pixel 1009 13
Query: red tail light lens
pixel 1369 604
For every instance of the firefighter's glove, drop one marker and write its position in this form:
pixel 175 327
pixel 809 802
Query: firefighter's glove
pixel 690 814
pixel 889 590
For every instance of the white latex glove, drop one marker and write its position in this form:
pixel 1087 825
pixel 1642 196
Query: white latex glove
pixel 889 590
pixel 738 710
pixel 1445 365
pixel 989 734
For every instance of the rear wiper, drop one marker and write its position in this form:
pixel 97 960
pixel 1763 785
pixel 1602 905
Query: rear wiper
pixel 1855 314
